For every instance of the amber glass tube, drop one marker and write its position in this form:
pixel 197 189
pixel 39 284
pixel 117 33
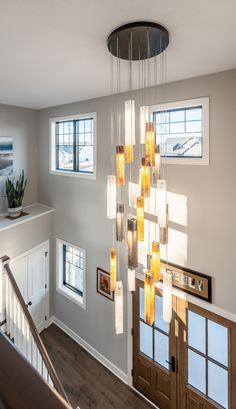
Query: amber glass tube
pixel 129 154
pixel 145 178
pixel 140 217
pixel 113 268
pixel 149 298
pixel 120 166
pixel 155 261
pixel 150 143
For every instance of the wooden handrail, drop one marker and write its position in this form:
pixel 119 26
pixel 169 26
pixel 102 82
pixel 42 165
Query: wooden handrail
pixel 47 361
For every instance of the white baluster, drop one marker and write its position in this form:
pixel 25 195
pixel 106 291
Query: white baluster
pixel 34 354
pixel 14 316
pixel 17 330
pixel 50 382
pixel 7 306
pixel 11 309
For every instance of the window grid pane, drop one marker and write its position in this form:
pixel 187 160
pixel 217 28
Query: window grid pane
pixel 73 268
pixel 179 132
pixel 65 145
pixel 213 366
pixel 84 145
pixel 75 145
pixel 154 340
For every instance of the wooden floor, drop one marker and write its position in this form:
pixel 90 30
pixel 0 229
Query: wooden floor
pixel 87 383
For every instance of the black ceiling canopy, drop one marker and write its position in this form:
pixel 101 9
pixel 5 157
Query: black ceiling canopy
pixel 138 41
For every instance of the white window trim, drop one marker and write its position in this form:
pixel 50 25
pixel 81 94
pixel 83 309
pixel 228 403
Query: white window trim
pixel 204 102
pixel 52 165
pixel 60 287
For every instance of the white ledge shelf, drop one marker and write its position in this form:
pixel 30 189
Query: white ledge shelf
pixel 34 211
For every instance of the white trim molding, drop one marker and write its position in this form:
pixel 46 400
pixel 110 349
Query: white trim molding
pixel 52 146
pixel 92 351
pixel 204 103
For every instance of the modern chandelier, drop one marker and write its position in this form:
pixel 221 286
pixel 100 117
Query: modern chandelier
pixel 140 47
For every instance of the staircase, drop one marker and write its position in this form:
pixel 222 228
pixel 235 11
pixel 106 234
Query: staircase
pixel 17 323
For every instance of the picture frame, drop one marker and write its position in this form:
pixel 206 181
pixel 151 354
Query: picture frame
pixel 189 281
pixel 103 284
pixel 6 156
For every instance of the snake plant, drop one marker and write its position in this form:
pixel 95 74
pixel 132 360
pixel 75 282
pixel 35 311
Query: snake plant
pixel 15 191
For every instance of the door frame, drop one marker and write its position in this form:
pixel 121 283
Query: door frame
pixel 211 308
pixel 46 246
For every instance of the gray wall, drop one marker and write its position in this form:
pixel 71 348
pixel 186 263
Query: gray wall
pixel 80 205
pixel 20 124
pixel 23 237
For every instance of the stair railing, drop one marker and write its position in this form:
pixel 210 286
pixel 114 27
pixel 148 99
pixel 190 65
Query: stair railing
pixel 20 327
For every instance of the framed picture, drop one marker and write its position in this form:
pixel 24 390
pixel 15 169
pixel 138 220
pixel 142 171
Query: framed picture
pixel 189 281
pixel 6 156
pixel 104 284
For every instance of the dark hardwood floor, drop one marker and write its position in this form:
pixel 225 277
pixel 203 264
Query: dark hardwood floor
pixel 87 383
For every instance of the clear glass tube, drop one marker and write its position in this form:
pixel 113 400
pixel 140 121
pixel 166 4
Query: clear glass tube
pixel 144 118
pixel 131 280
pixel 167 296
pixel 111 196
pixel 161 203
pixel 119 325
pixel 130 122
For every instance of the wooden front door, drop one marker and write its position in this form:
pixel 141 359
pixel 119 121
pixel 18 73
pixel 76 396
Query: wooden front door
pixel 154 371
pixel 207 359
pixel 189 364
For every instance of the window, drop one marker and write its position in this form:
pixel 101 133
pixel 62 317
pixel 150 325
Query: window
pixel 71 269
pixel 208 366
pixel 182 131
pixel 154 341
pixel 73 142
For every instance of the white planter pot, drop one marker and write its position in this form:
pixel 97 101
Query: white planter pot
pixel 14 211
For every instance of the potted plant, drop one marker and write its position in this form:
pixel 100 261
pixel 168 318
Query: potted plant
pixel 15 193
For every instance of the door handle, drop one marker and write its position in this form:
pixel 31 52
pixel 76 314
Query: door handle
pixel 172 364
pixel 29 303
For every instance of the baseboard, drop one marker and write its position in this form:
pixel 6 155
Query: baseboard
pixel 92 351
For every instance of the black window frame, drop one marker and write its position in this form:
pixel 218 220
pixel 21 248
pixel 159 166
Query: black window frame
pixel 65 283
pixel 75 145
pixel 184 109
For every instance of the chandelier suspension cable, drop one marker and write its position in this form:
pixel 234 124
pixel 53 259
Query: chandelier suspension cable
pixel 148 82
pixel 130 88
pixel 112 138
pixel 164 98
pixel 155 85
pixel 118 140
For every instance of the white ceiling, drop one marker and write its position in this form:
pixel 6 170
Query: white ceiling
pixel 54 51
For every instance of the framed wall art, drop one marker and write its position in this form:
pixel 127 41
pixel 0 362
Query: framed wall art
pixel 103 284
pixel 189 281
pixel 6 156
